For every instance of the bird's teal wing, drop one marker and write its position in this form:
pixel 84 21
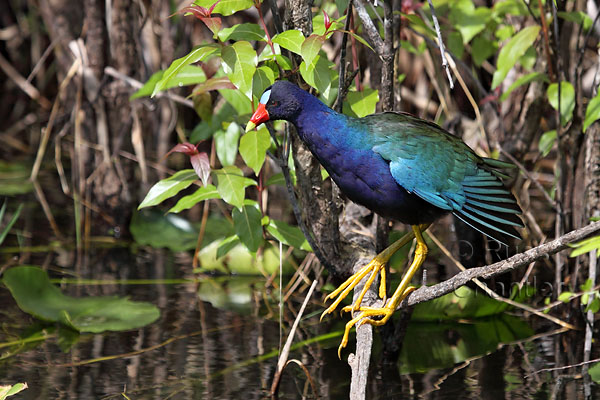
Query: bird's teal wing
pixel 438 167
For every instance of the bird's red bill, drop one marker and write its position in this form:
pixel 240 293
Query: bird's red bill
pixel 260 115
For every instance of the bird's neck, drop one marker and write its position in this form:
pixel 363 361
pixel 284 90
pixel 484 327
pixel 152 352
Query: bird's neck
pixel 319 125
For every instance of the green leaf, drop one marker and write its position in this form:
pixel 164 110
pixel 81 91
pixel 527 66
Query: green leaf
pixel 523 80
pixel 363 103
pixel 148 87
pixel 467 19
pixel 247 31
pixel 585 246
pixel 12 221
pixel 188 75
pixel 578 17
pixel 482 49
pixel 204 193
pixel 263 78
pixel 34 294
pixel 321 76
pixel 594 372
pixel 287 234
pixel 199 53
pixel 455 44
pixel 587 285
pixel 291 40
pixel 528 60
pixel 232 184
pixel 510 7
pixel 512 51
pixel 169 187
pixel 239 63
pixel 504 32
pixel 567 100
pixel 594 305
pixel 415 22
pixel 547 142
pixel 227 245
pixel 238 101
pixel 248 227
pixel 226 144
pixel 310 48
pixel 284 62
pixel 565 297
pixel 253 148
pixel 408 46
pixel 226 7
pixel 276 179
pixel 360 39
pixel 592 112
pixel 11 390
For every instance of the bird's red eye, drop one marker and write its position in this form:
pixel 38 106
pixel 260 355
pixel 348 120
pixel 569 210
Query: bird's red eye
pixel 274 103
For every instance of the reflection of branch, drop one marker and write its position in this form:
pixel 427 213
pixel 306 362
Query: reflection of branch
pixel 431 292
pixel 285 352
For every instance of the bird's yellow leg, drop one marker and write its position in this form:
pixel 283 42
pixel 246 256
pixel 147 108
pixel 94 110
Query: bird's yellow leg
pixel 376 265
pixel 403 290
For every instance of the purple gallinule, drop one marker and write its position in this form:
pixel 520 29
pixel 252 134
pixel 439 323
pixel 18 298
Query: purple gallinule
pixel 400 167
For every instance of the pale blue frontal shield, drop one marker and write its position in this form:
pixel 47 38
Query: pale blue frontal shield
pixel 265 97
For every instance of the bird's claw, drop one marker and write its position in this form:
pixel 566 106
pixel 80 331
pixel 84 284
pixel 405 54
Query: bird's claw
pixel 345 288
pixel 366 316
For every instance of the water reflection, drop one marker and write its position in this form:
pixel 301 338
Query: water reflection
pixel 217 338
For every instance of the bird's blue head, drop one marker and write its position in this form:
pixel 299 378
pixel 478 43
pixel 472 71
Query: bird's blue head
pixel 281 100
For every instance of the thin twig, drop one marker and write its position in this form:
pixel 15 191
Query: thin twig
pixel 441 44
pixel 467 92
pixel 431 292
pixel 48 129
pixel 528 175
pixel 370 28
pixel 339 101
pixel 493 294
pixel 23 84
pixel 47 210
pixel 110 71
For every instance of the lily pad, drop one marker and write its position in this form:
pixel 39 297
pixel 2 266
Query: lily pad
pixel 34 294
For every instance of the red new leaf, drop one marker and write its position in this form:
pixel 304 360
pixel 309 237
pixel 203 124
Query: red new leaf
pixel 185 148
pixel 198 11
pixel 199 161
pixel 201 165
pixel 212 23
pixel 327 21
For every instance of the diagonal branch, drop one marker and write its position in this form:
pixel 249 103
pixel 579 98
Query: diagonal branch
pixel 370 28
pixel 427 293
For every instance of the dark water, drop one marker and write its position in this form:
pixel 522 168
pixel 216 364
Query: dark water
pixel 218 338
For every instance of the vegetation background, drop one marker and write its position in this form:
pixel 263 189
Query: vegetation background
pixel 95 94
